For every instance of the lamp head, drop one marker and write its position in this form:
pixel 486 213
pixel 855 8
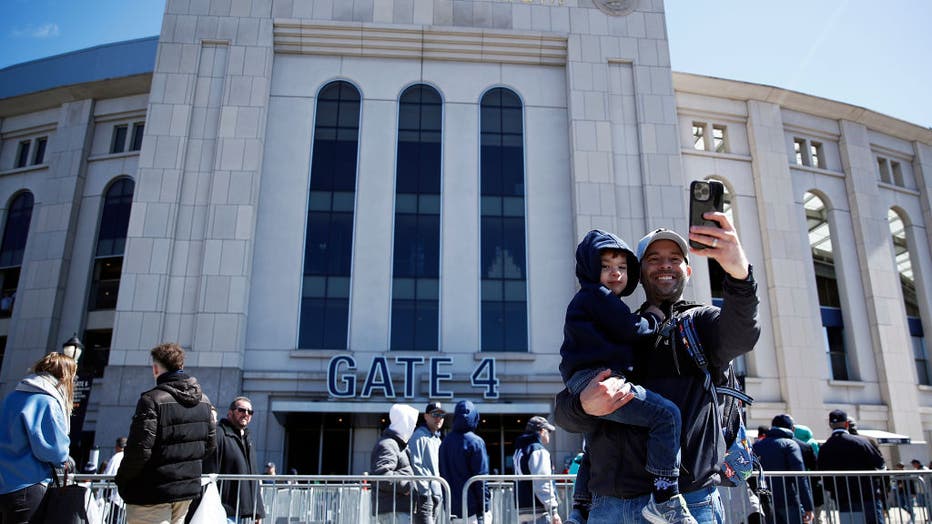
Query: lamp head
pixel 73 347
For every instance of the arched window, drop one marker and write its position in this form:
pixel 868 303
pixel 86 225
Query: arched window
pixel 111 242
pixel 416 259
pixel 12 247
pixel 904 268
pixel 503 253
pixel 823 260
pixel 328 245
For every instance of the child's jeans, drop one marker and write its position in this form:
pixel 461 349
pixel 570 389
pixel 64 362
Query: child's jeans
pixel 650 410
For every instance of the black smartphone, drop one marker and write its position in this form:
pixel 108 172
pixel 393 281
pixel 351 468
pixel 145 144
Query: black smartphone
pixel 704 195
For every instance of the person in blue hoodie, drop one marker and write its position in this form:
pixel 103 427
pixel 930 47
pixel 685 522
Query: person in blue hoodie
pixel 34 425
pixel 463 456
pixel 599 336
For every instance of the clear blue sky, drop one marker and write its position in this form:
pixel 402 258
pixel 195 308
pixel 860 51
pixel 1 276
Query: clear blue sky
pixel 873 54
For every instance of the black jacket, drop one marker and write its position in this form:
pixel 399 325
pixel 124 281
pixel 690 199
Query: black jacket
pixel 619 452
pixel 780 452
pixel 600 330
pixel 171 434
pixel 845 452
pixel 236 455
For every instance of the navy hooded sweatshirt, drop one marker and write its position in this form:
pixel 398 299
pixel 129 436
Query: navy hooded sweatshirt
pixel 600 329
pixel 462 456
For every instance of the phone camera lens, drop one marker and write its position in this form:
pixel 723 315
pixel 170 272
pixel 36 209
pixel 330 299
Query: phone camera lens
pixel 701 192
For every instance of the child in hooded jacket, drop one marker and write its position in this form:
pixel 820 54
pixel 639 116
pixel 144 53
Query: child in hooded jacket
pixel 600 333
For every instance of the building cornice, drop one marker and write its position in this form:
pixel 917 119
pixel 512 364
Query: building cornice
pixel 796 101
pixel 306 37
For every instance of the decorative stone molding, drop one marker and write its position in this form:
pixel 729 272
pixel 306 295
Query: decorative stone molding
pixel 460 45
pixel 615 7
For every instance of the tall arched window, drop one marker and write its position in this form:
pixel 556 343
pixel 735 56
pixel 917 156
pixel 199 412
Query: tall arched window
pixel 904 268
pixel 111 242
pixel 823 260
pixel 12 248
pixel 503 253
pixel 328 245
pixel 416 260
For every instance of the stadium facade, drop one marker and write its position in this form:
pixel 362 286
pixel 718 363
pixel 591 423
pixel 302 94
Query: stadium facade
pixel 335 206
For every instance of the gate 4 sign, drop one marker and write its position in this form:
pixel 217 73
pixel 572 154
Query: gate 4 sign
pixel 342 377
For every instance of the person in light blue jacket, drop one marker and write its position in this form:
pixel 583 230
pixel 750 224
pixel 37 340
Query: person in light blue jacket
pixel 34 426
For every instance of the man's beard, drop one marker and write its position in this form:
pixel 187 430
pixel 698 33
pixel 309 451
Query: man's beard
pixel 667 292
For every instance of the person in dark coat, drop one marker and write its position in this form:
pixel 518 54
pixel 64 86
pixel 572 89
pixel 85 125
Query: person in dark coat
pixel 462 456
pixel 792 497
pixel 393 500
pixel 236 455
pixel 618 479
pixel 172 432
pixel 843 451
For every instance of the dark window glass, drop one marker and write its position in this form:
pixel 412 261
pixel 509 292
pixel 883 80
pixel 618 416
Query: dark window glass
pixel 331 205
pixel 118 140
pixel 111 242
pixel 416 257
pixel 835 340
pixel 96 353
pixel 114 220
pixel 39 156
pixel 2 350
pixel 22 154
pixel 17 229
pixel 106 283
pixel 503 229
pixel 10 282
pixel 136 140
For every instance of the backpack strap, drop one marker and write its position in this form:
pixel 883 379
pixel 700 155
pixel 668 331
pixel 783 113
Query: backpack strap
pixel 690 339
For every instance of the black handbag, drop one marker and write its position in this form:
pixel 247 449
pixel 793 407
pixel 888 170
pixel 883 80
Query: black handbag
pixel 63 503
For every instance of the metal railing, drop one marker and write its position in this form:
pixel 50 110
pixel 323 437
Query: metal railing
pixel 898 497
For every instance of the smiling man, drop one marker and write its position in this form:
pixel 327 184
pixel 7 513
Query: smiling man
pixel 618 480
pixel 236 455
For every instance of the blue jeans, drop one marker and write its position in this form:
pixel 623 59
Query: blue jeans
pixel 650 410
pixel 704 504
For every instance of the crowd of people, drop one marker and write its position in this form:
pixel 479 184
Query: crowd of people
pixel 637 385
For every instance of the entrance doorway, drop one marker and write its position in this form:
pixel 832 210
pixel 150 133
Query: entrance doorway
pixel 318 443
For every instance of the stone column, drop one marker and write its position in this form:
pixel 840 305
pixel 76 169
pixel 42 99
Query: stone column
pixel 890 342
pixel 35 326
pixel 796 325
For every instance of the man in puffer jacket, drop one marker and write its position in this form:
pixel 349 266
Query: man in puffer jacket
pixel 173 431
pixel 392 502
pixel 792 497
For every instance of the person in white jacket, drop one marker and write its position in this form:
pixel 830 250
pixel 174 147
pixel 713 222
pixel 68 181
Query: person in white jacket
pixel 113 465
pixel 425 460
pixel 537 500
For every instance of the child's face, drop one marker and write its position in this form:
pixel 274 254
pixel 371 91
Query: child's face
pixel 614 271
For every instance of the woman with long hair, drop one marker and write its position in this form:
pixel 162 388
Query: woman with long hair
pixel 34 425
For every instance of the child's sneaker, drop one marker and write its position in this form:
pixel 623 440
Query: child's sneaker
pixel 671 511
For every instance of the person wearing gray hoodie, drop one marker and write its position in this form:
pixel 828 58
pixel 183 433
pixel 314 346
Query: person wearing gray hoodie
pixel 392 500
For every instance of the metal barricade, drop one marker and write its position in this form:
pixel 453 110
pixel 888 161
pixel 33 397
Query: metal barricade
pixel 300 499
pixel 503 496
pixel 893 497
pixel 899 497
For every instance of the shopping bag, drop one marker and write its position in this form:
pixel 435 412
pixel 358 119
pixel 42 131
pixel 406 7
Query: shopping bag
pixel 63 503
pixel 210 511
